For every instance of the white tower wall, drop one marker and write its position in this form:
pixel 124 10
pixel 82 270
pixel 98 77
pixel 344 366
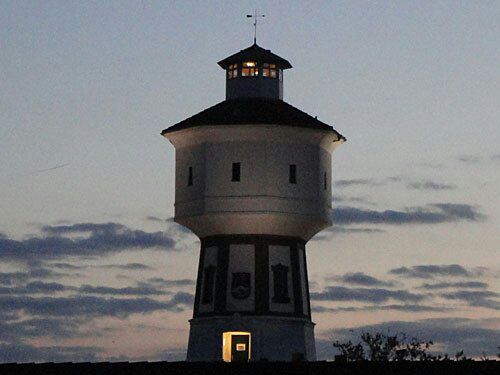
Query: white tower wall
pixel 263 202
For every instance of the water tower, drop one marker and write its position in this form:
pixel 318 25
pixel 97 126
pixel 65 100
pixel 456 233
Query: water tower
pixel 253 182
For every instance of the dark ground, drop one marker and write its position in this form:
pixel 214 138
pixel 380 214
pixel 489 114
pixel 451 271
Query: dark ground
pixel 260 368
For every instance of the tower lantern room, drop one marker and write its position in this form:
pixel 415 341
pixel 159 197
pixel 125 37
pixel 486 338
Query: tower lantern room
pixel 254 72
pixel 253 182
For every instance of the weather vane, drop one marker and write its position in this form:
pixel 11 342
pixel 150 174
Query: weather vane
pixel 255 16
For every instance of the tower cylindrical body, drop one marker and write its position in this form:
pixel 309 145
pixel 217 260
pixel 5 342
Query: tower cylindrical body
pixel 238 179
pixel 254 194
pixel 255 284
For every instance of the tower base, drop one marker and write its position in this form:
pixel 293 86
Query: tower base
pixel 270 338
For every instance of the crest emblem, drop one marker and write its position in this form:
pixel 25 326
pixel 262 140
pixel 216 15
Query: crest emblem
pixel 240 285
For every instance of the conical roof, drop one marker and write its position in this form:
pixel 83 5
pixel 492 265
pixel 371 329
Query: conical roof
pixel 252 111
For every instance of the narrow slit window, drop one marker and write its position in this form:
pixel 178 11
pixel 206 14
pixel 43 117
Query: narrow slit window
pixel 190 176
pixel 236 172
pixel 325 181
pixel 208 285
pixel 280 281
pixel 292 176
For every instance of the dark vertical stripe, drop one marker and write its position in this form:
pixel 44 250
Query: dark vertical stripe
pixel 296 279
pixel 307 283
pixel 197 297
pixel 261 278
pixel 221 281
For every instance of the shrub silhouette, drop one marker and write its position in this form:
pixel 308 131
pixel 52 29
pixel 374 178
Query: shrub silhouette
pixel 384 348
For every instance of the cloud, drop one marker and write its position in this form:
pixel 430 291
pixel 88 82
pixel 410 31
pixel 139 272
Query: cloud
pixel 67 266
pixel 42 287
pixel 169 355
pixel 9 278
pixel 82 228
pixel 83 239
pixel 36 287
pixel 327 233
pixel 21 352
pixel 410 308
pixel 173 225
pixel 156 219
pixel 360 278
pixel 478 159
pixel 357 182
pixel 89 306
pixel 432 270
pixel 181 298
pixel 151 288
pixel 370 182
pixel 170 283
pixel 410 184
pixel 429 214
pixel 430 185
pixel 143 290
pixel 459 284
pixel 60 328
pixel 343 199
pixel 476 298
pixel 128 266
pixel 470 159
pixel 453 334
pixel 456 212
pixel 340 229
pixel 26 317
pixel 374 295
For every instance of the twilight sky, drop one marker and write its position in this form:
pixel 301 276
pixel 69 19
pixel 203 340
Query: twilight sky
pixel 92 266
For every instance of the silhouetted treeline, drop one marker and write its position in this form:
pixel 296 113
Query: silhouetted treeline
pixel 379 347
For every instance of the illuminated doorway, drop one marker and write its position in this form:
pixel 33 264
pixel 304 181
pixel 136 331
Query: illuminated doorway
pixel 236 346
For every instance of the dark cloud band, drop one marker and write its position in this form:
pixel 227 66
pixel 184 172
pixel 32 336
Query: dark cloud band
pixel 89 306
pixel 431 270
pixel 93 239
pixel 429 214
pixel 374 295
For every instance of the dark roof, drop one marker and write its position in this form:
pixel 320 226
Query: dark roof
pixel 255 53
pixel 250 111
pixel 257 367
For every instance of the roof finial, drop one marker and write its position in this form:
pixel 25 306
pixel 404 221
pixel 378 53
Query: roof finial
pixel 255 16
